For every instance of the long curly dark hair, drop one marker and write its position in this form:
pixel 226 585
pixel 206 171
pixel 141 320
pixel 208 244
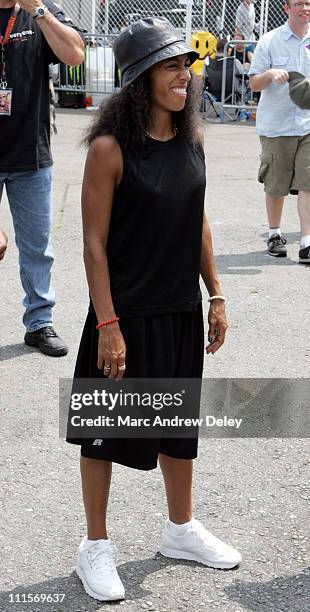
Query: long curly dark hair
pixel 126 114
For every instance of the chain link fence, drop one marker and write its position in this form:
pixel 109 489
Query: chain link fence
pixel 104 19
pixel 110 16
pixel 216 16
pixel 274 15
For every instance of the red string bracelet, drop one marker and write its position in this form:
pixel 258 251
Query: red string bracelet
pixel 103 323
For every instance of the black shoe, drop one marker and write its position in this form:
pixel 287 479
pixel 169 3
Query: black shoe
pixel 304 255
pixel 47 341
pixel 276 246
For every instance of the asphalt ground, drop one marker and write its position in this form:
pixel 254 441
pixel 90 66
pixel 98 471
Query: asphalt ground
pixel 254 493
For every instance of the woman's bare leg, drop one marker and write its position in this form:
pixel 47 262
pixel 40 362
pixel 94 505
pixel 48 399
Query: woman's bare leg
pixel 178 477
pixel 96 479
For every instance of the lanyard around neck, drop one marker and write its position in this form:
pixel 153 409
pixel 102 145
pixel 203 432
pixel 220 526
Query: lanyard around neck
pixel 3 41
pixel 9 28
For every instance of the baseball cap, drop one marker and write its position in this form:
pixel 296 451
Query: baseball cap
pixel 299 89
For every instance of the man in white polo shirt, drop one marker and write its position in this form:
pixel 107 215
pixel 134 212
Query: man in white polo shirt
pixel 284 127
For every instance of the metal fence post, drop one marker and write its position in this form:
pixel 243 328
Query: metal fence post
pixel 223 18
pixel 106 16
pixel 189 9
pixel 93 16
pixel 266 16
pixel 188 26
pixel 224 82
pixel 261 21
pixel 204 2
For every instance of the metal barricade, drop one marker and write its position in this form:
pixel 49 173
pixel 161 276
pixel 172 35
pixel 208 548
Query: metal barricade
pixel 242 99
pixel 96 77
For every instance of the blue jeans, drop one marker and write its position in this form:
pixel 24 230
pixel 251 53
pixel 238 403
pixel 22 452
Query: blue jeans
pixel 29 196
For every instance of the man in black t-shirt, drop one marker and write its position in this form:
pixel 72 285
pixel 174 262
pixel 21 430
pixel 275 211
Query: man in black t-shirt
pixel 32 36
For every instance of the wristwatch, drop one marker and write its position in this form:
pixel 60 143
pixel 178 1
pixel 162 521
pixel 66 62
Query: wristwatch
pixel 40 11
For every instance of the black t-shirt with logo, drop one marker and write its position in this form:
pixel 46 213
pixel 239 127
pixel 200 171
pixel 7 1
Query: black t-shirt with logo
pixel 25 135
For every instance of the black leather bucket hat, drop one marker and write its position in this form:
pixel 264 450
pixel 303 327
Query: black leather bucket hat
pixel 145 43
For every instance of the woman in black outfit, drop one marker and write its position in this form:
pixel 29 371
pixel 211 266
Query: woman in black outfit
pixel 146 241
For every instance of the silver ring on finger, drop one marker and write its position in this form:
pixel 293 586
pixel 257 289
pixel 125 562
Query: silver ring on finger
pixel 122 368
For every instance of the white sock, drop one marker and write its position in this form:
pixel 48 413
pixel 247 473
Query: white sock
pixel 305 241
pixel 274 230
pixel 88 542
pixel 179 528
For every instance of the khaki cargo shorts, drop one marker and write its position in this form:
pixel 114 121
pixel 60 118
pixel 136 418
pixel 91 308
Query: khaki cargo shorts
pixel 285 164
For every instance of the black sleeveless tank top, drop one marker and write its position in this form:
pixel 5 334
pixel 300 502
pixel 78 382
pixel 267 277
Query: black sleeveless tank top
pixel 154 243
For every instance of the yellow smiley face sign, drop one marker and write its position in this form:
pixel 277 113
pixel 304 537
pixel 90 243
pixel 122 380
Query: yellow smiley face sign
pixel 205 44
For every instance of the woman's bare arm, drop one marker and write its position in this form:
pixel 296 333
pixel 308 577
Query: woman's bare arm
pixel 217 315
pixel 103 172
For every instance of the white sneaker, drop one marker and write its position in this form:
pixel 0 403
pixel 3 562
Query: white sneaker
pixel 198 544
pixel 97 571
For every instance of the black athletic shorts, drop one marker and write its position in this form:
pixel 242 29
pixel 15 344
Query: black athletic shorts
pixel 161 346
